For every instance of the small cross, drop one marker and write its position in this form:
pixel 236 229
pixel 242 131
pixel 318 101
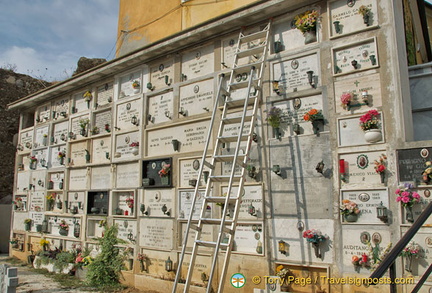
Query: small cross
pixel 356 83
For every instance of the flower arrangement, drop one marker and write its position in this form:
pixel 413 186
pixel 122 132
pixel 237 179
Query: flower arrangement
pixel 61 155
pixel 380 164
pixel 427 173
pixel 314 236
pixel 87 96
pixel 136 84
pixel 312 115
pixel 43 242
pixel 375 256
pixel 412 249
pixel 50 198
pixel 102 223
pixel 306 21
pixel 83 261
pixel 17 201
pixel 282 271
pixel 274 117
pixel 369 120
pixel 95 130
pixel 349 207
pixel 130 202
pixel 134 144
pixel 141 257
pixel 363 10
pixel 33 159
pixel 63 225
pixel 165 170
pixel 363 260
pixel 107 128
pixel 83 122
pixel 346 100
pixel 27 221
pixel 407 197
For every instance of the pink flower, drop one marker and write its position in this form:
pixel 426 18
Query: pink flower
pixel 405 199
pixel 398 199
pixel 416 195
pixel 405 193
pixel 398 191
pixel 373 112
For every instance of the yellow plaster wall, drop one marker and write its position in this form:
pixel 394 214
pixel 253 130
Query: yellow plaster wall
pixel 142 22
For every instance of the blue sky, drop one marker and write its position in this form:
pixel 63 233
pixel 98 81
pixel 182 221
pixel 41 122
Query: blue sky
pixel 45 38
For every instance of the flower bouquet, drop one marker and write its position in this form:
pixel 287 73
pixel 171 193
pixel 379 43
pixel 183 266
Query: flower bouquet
pixel 380 166
pixel 407 198
pixel 142 258
pixel 369 123
pixel 363 260
pixel 163 174
pixel 427 173
pixel 315 237
pixel 349 210
pixel 346 100
pixel 365 12
pixel 130 202
pixel 306 22
pixel 282 272
pixel 274 116
pixel 316 117
pixel 136 84
pixel 63 228
pixel 412 250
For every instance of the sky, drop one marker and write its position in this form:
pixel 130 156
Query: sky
pixel 45 38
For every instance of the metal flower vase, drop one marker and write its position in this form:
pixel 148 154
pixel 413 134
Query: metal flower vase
pixel 409 215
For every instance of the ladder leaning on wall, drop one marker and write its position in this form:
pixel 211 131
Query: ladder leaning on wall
pixel 240 101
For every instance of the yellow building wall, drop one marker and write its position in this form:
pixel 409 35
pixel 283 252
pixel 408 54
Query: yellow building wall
pixel 143 22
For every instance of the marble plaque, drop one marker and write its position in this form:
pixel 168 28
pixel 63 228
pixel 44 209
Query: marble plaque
pixel 102 121
pixel 42 158
pixel 105 95
pixel 38 180
pixel 124 145
pixel 18 220
pixel 198 62
pixel 350 132
pixel 229 46
pixel 128 175
pixel 191 137
pixel 162 74
pixel 76 202
pixel 202 265
pixel 369 85
pixel 411 163
pixel 196 98
pixel 232 129
pixel 60 132
pixel 367 201
pixel 185 204
pixel 56 178
pixel 154 200
pixel 101 150
pixel 23 181
pixel 188 170
pixel 101 178
pixel 292 75
pixel 156 233
pixel 42 139
pixel 79 103
pixel 43 113
pixel 251 206
pixel 156 263
pixel 160 108
pixel 37 219
pixel 55 159
pixel 78 178
pixel 61 108
pixel 360 169
pixel 37 201
pixel 348 17
pixel 252 161
pixel 126 81
pixel 76 128
pixel 423 239
pixel 78 153
pixel 26 139
pixel 129 114
pixel 119 201
pixel 127 230
pixel 94 229
pixel 249 238
pixel 206 234
pixel 354 57
pixel 55 221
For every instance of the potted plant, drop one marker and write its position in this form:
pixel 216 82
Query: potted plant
pixel 251 171
pixel 44 244
pixel 306 22
pixel 274 119
pixel 142 258
pixel 27 224
pixel 61 156
pixel 315 237
pixel 412 250
pixel 349 210
pixel 369 123
pixel 316 117
pixel 87 97
pixel 164 174
pixel 380 166
pixel 50 202
pixel 427 173
pixel 366 13
pixel 407 198
pixel 346 100
pixel 63 228
pixel 95 130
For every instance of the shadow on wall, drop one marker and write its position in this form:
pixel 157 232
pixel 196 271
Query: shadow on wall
pixel 5 219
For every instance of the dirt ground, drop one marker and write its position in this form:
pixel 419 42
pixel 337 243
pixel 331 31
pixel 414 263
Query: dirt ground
pixel 31 281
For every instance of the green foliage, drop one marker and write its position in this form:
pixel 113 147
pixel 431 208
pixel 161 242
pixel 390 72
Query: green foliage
pixel 105 270
pixel 63 259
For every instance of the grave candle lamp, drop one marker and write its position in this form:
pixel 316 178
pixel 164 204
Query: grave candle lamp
pixel 176 144
pixel 165 210
pixel 365 96
pixel 342 169
pixel 167 114
pixel 150 118
pixel 168 265
pixel 354 64
pixel 276 169
pixel 150 86
pixel 382 213
pixel 283 247
pixel 206 175
pixel 183 112
pixel 167 80
pixel 337 27
pixel 320 167
pixel 311 78
pixel 276 89
pixel 252 210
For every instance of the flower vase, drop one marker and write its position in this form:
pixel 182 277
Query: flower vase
pixel 142 268
pixel 33 165
pixel 316 247
pixel 39 228
pixel 61 160
pixel 408 263
pixel 131 261
pixel 27 226
pixel 135 151
pixel 373 135
pixel 310 36
pixel 316 125
pixel 50 206
pixel 77 230
pixel 382 175
pixel 351 217
pixel 164 180
pixel 409 215
pixel 136 90
pixel 366 19
pixel 63 232
pixel 59 205
pixel 276 132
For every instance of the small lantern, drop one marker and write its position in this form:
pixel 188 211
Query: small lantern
pixel 365 96
pixel 167 114
pixel 276 89
pixel 382 213
pixel 320 167
pixel 44 226
pixel 283 247
pixel 175 144
pixel 150 86
pixel 354 64
pixel 165 210
pixel 168 265
pixel 276 169
pixel 183 112
pixel 252 210
pixel 311 78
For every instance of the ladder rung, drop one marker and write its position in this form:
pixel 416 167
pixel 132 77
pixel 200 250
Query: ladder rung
pixel 233 138
pixel 254 36
pixel 221 199
pixel 195 227
pixel 215 221
pixel 232 120
pixel 251 51
pixel 243 84
pixel 211 244
pixel 225 92
pixel 240 102
pixel 223 178
pixel 246 67
pixel 228 158
pixel 208 165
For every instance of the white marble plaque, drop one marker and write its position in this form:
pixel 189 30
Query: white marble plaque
pixel 229 47
pixel 23 181
pixel 55 221
pixel 202 265
pixel 185 204
pixel 125 145
pixel 119 201
pixel 249 238
pixel 192 137
pixel 355 57
pixel 197 97
pixel 127 230
pixel 37 219
pixel 18 220
pixel 206 234
pixel 160 108
pixel 198 62
pixel 57 179
pixel 56 154
pixel 26 139
pixel 78 153
pixel 42 158
pixel 293 74
pixel 128 175
pixel 189 171
pixel 101 177
pixel 126 81
pixel 360 168
pixel 94 229
pixel 348 17
pixel 61 108
pixel 423 239
pixel 38 180
pixel 162 74
pixel 156 233
pixel 43 113
pixel 101 150
pixel 155 199
pixel 367 201
pixel 350 132
pixel 129 115
pixel 251 206
pixel 369 86
pixel 102 121
pixel 79 103
pixel 37 201
pixel 76 202
pixel 42 139
pixel 78 179
pixel 60 132
pixel 80 124
pixel 105 95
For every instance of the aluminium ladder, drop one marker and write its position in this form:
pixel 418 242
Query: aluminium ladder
pixel 246 78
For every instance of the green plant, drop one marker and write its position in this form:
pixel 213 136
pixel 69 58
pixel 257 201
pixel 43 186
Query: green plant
pixel 27 221
pixel 306 21
pixel 274 116
pixel 63 259
pixel 106 268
